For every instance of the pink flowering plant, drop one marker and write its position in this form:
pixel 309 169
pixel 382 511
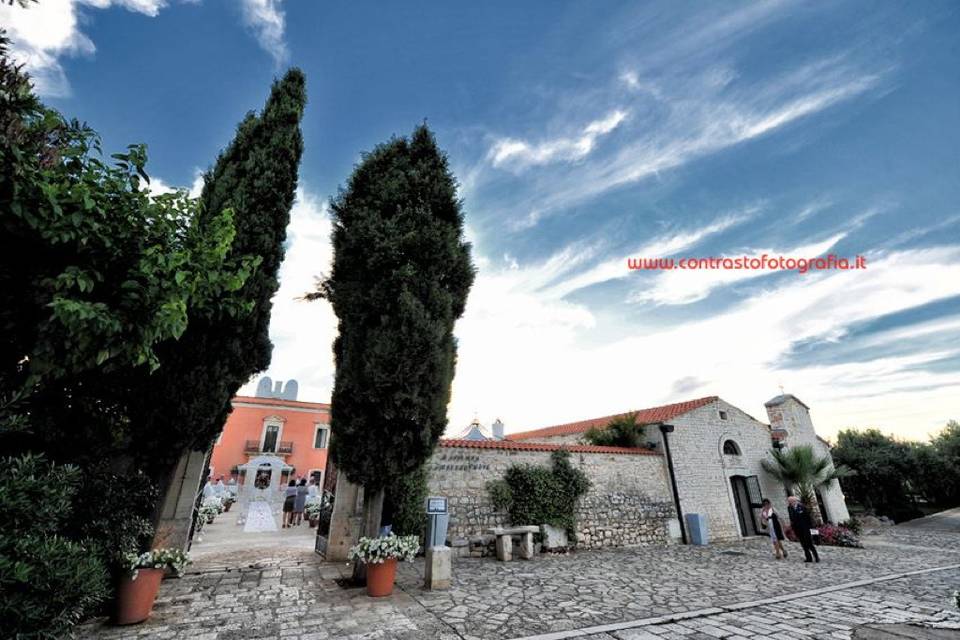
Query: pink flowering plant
pixel 838 536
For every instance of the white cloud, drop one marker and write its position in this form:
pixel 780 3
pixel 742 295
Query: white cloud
pixel 534 360
pixel 683 286
pixel 303 332
pixel 676 122
pixel 268 22
pixel 158 186
pixel 665 245
pixel 43 32
pixel 519 153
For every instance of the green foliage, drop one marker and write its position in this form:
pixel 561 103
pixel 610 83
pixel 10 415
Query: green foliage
pixel 534 495
pixel 892 476
pixel 129 320
pixel 884 467
pixel 96 275
pixel 95 272
pixel 854 525
pixel 400 278
pixel 404 500
pixel 223 346
pixel 802 469
pixel 47 583
pixel 621 431
pixel 945 445
pixel 113 514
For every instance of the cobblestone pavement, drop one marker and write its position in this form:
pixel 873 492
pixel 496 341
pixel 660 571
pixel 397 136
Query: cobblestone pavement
pixel 722 591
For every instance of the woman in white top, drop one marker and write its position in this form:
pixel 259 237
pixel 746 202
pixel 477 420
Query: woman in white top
pixel 771 521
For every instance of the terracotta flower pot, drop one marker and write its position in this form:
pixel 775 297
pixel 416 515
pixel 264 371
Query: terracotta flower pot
pixel 226 506
pixel 313 523
pixel 380 578
pixel 135 597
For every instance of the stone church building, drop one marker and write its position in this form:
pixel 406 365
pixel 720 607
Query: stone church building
pixel 715 451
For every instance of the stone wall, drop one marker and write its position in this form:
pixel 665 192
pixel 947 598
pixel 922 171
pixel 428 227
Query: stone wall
pixel 703 471
pixel 629 502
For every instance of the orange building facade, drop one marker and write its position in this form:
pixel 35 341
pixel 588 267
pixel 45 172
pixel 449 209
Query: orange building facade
pixel 298 432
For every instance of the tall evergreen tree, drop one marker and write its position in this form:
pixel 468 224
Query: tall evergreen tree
pixel 400 278
pixel 185 403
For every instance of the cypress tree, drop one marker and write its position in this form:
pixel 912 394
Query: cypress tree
pixel 186 401
pixel 400 278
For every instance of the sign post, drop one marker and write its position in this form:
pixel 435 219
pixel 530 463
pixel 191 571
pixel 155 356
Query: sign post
pixel 438 561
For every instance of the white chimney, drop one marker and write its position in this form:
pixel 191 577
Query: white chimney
pixel 497 428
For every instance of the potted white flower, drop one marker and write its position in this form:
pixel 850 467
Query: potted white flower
pixel 207 513
pixel 381 556
pixel 140 582
pixel 312 512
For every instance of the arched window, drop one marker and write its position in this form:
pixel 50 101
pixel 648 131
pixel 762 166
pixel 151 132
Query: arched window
pixel 730 448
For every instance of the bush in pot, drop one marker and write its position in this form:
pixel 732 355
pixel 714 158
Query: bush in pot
pixel 312 512
pixel 209 511
pixel 140 583
pixel 381 556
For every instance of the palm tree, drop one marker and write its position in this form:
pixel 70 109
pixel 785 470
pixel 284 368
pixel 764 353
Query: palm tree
pixel 799 468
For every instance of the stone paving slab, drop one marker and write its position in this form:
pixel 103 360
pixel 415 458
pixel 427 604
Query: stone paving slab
pixel 723 591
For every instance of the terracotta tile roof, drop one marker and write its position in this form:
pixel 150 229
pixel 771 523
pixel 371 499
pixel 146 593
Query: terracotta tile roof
pixel 539 446
pixel 644 416
pixel 281 402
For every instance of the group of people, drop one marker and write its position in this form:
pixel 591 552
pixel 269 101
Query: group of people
pixel 800 522
pixel 219 489
pixel 295 499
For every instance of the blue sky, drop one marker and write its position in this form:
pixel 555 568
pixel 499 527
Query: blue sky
pixel 582 137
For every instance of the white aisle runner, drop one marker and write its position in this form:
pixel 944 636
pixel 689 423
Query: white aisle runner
pixel 259 518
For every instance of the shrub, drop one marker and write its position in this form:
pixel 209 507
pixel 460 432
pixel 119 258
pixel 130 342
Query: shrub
pixel 622 431
pixel 854 525
pixel 113 512
pixel 47 583
pixel 838 536
pixel 312 510
pixel 405 500
pixel 541 495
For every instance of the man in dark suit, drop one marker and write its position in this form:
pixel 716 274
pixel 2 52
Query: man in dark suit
pixel 801 523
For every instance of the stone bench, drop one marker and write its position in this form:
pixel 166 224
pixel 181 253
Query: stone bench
pixel 505 541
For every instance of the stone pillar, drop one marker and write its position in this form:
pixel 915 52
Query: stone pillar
pixel 438 568
pixel 346 520
pixel 176 513
pixel 504 548
pixel 526 546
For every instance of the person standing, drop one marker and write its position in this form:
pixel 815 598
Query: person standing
pixel 801 523
pixel 208 490
pixel 771 520
pixel 219 488
pixel 300 501
pixel 289 498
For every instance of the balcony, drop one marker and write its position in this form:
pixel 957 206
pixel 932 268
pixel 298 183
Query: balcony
pixel 282 449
